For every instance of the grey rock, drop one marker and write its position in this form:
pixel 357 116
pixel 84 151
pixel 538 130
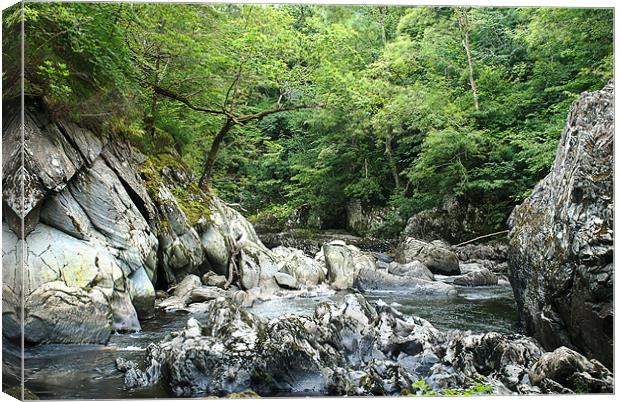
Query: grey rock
pixel 212 279
pixel 286 281
pixel 306 271
pixel 371 279
pixel 184 289
pixel 161 294
pixel 561 239
pixel 348 349
pixel 344 262
pixel 440 260
pixel 413 269
pixel 58 313
pixel 50 159
pixel 205 293
pixel 482 277
pixel 453 222
pixel 571 370
pixel 115 217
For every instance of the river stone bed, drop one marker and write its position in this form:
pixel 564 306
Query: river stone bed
pixel 89 371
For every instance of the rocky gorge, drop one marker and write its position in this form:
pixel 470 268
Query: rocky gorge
pixel 104 239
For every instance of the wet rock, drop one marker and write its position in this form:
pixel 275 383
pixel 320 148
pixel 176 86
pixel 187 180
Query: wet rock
pixel 58 313
pixel 344 262
pixel 561 239
pixel 372 279
pixel 286 281
pixel 351 348
pixel 413 269
pixel 481 277
pixel 205 293
pixel 504 360
pixel 571 370
pixel 306 271
pixel 440 260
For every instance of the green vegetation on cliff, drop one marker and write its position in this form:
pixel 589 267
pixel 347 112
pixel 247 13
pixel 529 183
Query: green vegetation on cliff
pixel 301 109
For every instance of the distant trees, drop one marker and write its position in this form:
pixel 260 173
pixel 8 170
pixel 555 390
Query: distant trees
pixel 417 105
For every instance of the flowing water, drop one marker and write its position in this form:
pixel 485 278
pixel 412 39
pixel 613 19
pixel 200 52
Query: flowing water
pixel 88 371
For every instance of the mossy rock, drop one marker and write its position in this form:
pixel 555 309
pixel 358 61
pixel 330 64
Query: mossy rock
pixel 248 393
pixel 191 199
pixel 16 392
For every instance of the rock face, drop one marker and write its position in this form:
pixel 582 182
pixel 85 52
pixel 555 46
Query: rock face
pixel 88 247
pixel 363 220
pixel 348 349
pixel 453 223
pixel 102 225
pixel 561 241
pixel 439 259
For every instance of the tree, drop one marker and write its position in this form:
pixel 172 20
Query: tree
pixel 462 17
pixel 262 66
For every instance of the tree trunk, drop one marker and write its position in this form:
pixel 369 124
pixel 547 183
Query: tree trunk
pixel 212 155
pixel 149 119
pixel 393 168
pixel 464 24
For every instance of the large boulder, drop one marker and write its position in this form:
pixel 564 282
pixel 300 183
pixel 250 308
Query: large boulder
pixel 344 262
pixel 439 259
pixel 453 222
pixel 373 279
pixel 561 241
pixel 482 277
pixel 57 313
pixel 413 269
pixel 306 271
pixel 573 371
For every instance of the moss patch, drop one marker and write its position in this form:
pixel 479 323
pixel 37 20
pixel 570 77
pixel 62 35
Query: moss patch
pixel 16 392
pixel 248 393
pixel 191 199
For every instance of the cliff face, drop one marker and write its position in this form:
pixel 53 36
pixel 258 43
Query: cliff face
pixel 561 238
pixel 102 225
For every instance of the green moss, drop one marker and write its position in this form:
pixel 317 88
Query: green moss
pixel 248 393
pixel 192 206
pixel 16 392
pixel 191 199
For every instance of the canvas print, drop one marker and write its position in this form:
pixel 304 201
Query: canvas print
pixel 254 200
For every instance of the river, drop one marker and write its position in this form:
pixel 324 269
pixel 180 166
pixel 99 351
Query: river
pixel 88 371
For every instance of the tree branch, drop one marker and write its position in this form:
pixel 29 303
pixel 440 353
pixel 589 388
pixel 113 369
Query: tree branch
pixel 265 113
pixel 180 98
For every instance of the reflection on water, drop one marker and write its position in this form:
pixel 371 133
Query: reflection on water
pixel 88 371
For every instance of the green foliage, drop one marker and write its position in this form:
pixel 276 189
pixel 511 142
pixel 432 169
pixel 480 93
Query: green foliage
pixel 396 124
pixel 422 388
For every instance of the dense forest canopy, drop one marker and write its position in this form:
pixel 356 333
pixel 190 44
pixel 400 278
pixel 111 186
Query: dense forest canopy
pixel 312 107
